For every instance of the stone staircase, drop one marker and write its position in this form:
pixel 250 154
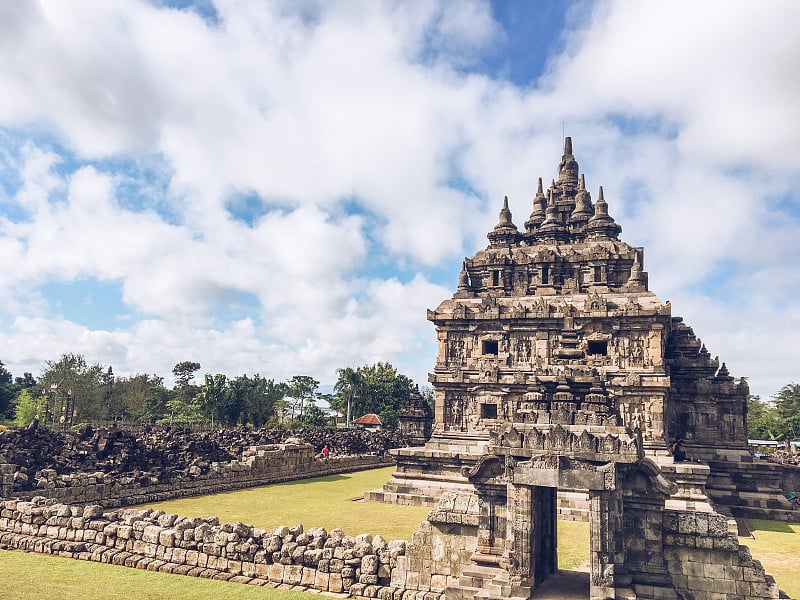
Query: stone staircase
pixel 486 580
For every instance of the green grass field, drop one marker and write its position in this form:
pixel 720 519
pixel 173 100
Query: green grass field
pixel 327 502
pixel 324 502
pixel 777 546
pixel 43 577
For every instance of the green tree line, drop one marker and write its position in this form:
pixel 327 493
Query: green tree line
pixel 214 399
pixel 776 419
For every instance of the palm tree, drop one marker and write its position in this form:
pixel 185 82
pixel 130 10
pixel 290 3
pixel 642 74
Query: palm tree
pixel 347 388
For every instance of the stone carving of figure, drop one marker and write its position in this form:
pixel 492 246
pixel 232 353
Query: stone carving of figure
pixel 636 352
pixel 636 421
pixel 457 413
pixel 455 351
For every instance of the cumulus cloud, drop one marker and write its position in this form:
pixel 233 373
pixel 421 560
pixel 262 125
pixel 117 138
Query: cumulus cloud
pixel 371 150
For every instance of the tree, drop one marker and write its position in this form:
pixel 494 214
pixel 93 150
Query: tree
pixel 184 411
pixel 107 381
pixel 312 416
pixel 389 418
pixel 763 422
pixel 376 388
pixel 787 406
pixel 258 398
pixel 184 373
pixel 71 373
pixel 7 392
pixel 26 409
pixel 184 406
pixel 216 400
pixel 301 388
pixel 140 397
pixel 346 391
pixel 26 381
pixel 776 419
pixel 429 396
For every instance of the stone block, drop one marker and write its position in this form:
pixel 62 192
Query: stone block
pixel 438 582
pixel 293 574
pixel 369 564
pixel 150 534
pixel 307 577
pixel 167 538
pixel 321 580
pixel 335 583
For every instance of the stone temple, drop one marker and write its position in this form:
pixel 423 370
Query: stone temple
pixel 560 382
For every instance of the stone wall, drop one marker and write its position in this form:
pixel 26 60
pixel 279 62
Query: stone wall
pixel 791 478
pixel 699 557
pixel 289 557
pixel 707 562
pixel 258 465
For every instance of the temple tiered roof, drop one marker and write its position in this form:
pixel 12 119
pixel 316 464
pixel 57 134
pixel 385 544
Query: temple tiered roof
pixel 570 245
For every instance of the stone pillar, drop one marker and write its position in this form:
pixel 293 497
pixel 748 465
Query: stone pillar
pixel 520 532
pixel 532 534
pixel 439 411
pixel 645 567
pixel 605 518
pixel 487 525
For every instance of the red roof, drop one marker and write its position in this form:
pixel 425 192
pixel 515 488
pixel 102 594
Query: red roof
pixel 368 419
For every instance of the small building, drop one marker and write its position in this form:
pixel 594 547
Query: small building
pixel 370 422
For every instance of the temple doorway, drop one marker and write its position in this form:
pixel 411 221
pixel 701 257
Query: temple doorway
pixel 544 533
pixel 550 582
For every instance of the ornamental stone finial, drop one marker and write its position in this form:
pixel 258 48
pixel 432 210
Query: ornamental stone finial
pixel 505 232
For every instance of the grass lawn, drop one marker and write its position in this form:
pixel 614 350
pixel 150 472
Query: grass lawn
pixel 777 546
pixel 323 502
pixel 45 577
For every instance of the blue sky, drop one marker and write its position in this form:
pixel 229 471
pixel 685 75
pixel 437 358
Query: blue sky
pixel 285 187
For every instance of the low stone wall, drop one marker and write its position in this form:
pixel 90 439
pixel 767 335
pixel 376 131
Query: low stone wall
pixel 287 557
pixel 706 560
pixel 791 478
pixel 258 465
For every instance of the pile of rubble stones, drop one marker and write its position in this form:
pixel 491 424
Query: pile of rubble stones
pixel 162 451
pixel 784 457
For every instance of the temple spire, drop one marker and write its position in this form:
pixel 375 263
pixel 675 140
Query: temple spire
pixel 551 214
pixel 638 278
pixel 537 215
pixel 463 278
pixel 505 213
pixel 568 167
pixel 505 232
pixel 602 225
pixel 583 204
pixel 552 229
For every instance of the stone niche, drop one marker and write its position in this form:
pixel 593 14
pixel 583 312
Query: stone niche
pixel 560 381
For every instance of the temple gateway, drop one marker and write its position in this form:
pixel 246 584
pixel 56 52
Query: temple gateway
pixel 561 380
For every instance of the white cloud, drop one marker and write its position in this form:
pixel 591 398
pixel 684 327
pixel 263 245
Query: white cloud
pixel 376 154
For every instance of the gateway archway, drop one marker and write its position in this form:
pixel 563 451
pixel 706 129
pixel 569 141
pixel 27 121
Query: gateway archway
pixel 517 483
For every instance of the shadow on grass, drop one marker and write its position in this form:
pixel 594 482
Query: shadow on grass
pixel 774 526
pixel 339 477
